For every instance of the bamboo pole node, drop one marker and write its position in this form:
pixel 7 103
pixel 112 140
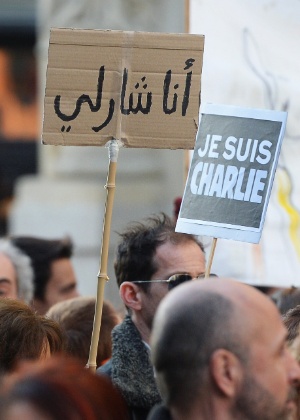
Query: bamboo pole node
pixel 103 276
pixel 107 186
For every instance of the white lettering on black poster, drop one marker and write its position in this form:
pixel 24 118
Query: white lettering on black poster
pixel 242 183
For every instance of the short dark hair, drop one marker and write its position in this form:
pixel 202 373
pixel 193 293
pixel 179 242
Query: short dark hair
pixel 185 342
pixel 42 253
pixel 287 299
pixel 135 253
pixel 25 334
pixel 292 322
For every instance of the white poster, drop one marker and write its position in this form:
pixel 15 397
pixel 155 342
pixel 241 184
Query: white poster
pixel 231 173
pixel 251 59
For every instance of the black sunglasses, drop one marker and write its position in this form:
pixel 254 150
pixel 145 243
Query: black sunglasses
pixel 176 279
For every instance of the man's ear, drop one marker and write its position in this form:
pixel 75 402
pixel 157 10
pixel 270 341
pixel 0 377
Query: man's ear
pixel 226 371
pixel 130 293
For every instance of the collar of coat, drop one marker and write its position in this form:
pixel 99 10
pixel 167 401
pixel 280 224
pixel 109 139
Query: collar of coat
pixel 132 371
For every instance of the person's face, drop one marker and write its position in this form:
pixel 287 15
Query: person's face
pixel 272 374
pixel 8 278
pixel 170 259
pixel 62 284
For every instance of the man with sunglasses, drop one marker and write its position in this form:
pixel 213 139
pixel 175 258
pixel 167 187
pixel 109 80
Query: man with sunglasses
pixel 151 259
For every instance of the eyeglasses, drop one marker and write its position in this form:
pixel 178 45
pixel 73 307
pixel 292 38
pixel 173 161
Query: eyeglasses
pixel 175 279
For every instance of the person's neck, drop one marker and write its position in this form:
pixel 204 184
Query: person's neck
pixel 206 411
pixel 142 328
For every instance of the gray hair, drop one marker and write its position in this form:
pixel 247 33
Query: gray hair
pixel 22 265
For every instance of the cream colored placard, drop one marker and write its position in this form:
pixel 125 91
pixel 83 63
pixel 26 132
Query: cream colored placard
pixel 141 88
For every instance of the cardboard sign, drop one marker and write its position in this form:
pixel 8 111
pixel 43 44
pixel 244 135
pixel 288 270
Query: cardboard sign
pixel 231 172
pixel 141 88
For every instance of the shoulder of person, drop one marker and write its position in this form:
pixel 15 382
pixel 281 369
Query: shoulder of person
pixel 105 369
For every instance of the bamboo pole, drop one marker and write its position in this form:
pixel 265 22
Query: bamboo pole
pixel 187 16
pixel 113 149
pixel 211 257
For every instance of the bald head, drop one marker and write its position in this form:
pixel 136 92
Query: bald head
pixel 238 293
pixel 245 302
pixel 193 321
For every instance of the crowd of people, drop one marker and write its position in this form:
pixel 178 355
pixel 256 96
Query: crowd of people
pixel 213 348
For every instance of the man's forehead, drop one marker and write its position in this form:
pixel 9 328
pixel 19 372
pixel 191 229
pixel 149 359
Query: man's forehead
pixel 61 265
pixel 186 257
pixel 4 257
pixel 6 264
pixel 62 272
pixel 171 250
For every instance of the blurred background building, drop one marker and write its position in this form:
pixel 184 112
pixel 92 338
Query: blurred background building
pixel 53 191
pixel 19 113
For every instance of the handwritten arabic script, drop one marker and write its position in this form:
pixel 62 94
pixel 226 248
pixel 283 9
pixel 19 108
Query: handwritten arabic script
pixel 140 100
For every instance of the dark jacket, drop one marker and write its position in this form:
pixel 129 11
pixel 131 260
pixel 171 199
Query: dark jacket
pixel 159 412
pixel 131 371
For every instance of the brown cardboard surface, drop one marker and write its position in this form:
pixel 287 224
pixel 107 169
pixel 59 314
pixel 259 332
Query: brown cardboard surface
pixel 142 88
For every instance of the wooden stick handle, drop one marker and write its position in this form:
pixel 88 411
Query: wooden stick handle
pixel 102 275
pixel 211 257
